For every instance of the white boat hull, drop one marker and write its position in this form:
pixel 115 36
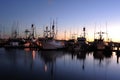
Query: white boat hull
pixel 52 45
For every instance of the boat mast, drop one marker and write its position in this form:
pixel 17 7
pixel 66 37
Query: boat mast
pixel 106 33
pixel 70 35
pixel 84 32
pixel 46 32
pixel 100 34
pixel 94 31
pixel 50 27
pixel 53 32
pixel 14 30
pixel 65 35
pixel 56 29
pixel 33 30
pixel 0 31
pixel 18 29
pixel 26 33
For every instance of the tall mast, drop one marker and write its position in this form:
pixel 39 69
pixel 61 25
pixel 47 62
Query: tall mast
pixel 94 31
pixel 56 29
pixel 46 32
pixel 50 27
pixel 106 33
pixel 53 32
pixel 0 31
pixel 14 30
pixel 17 30
pixel 70 35
pixel 65 35
pixel 33 30
pixel 43 31
pixel 84 32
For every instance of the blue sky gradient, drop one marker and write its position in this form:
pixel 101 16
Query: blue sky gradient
pixel 71 15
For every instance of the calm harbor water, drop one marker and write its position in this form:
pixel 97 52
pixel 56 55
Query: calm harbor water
pixel 57 65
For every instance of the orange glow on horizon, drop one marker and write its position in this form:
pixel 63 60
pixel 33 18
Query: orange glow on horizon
pixel 112 30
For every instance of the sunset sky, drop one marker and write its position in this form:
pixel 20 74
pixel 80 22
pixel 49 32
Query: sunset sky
pixel 71 16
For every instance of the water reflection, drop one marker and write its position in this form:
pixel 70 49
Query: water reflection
pixel 118 55
pixel 49 59
pixel 103 57
pixel 82 56
pixel 58 65
pixel 33 54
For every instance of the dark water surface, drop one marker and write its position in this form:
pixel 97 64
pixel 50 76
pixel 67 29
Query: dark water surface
pixel 16 64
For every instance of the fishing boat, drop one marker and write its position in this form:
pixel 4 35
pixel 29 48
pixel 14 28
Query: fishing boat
pixel 100 44
pixel 2 42
pixel 28 42
pixel 49 42
pixel 14 43
pixel 81 44
pixel 69 44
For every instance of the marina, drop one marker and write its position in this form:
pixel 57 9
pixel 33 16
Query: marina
pixel 46 58
pixel 49 42
pixel 59 40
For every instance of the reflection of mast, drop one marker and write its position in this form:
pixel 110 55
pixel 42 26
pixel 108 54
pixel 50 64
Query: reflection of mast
pixel 29 58
pixel 118 55
pixel 99 55
pixel 83 66
pixel 117 59
pixel 33 54
pixel 45 68
pixel 82 56
pixel 49 58
pixel 51 69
